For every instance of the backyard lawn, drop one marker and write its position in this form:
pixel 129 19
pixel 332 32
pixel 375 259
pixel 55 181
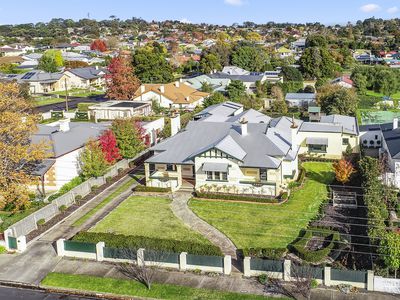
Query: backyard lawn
pixel 149 217
pixel 257 225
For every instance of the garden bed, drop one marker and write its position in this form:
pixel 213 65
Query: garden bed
pixel 62 215
pixel 239 198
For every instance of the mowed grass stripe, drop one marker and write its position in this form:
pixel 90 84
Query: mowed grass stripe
pixel 106 200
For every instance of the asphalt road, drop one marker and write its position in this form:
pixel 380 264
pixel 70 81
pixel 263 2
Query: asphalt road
pixel 10 293
pixel 72 103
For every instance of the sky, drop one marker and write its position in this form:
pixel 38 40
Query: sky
pixel 208 11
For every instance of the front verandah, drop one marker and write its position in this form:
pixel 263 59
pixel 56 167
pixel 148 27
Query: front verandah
pixel 172 176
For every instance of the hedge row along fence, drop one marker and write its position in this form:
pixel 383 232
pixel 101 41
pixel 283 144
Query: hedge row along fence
pixel 264 253
pixel 151 189
pixel 232 197
pixel 299 247
pixel 136 242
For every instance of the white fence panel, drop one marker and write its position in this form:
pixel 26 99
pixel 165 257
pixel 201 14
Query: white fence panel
pixel 386 285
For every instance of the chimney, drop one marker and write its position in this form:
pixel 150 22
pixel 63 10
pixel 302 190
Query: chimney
pixel 142 89
pixel 180 80
pixel 187 98
pixel 243 126
pixel 177 84
pixel 175 124
pixel 293 132
pixel 162 89
pixel 97 67
pixel 64 125
pixel 395 123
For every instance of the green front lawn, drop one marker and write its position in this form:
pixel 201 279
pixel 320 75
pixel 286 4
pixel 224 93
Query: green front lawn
pixel 270 226
pixel 136 289
pixel 79 93
pixel 106 200
pixel 40 101
pixel 380 95
pixel 148 217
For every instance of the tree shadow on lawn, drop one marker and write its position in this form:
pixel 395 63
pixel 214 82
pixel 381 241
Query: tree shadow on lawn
pixel 325 177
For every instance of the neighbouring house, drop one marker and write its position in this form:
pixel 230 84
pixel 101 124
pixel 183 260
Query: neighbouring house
pixel 115 109
pixel 314 113
pixel 343 81
pixel 10 51
pixel 329 138
pixel 273 76
pixel 66 140
pixel 152 131
pixel 40 81
pixel 233 70
pixel 299 45
pixel 230 150
pixel 386 138
pixel 300 99
pixel 86 77
pixel 171 95
pixel 284 52
pixel 217 84
pixel 249 81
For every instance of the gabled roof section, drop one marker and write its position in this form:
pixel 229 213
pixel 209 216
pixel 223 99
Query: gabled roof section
pixel 229 146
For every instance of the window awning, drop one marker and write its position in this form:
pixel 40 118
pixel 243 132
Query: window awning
pixel 317 141
pixel 215 167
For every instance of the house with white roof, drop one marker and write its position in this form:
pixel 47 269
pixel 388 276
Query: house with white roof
pixel 217 84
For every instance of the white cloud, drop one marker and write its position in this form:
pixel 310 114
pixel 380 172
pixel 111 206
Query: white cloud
pixel 393 10
pixel 184 20
pixel 234 2
pixel 368 8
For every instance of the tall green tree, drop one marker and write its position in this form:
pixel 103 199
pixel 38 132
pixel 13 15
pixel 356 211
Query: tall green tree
pixel 214 98
pixel 209 63
pixel 390 251
pixel 317 63
pixel 291 74
pixel 47 64
pixel 386 82
pixel 249 57
pixel 129 136
pixel 236 90
pixel 92 160
pixel 151 65
pixel 335 99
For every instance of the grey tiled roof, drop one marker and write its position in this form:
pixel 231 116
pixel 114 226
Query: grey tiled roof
pixel 244 78
pixel 88 72
pixel 262 147
pixel 64 142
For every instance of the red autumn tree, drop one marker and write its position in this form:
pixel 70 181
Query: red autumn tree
pixel 121 81
pixel 98 45
pixel 343 170
pixel 109 147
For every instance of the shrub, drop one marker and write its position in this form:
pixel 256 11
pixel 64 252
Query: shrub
pixel 299 246
pixel 284 196
pixel 314 283
pixel 94 188
pixel 120 170
pixel 41 222
pixel 135 242
pixel 108 179
pixel 62 208
pixel 84 107
pixel 66 188
pixel 3 250
pixel 234 197
pixel 132 164
pixel 143 188
pixel 265 253
pixel 78 198
pixel 263 278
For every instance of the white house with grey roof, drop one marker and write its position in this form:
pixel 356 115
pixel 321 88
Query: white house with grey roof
pixel 86 77
pixel 66 140
pixel 300 99
pixel 234 151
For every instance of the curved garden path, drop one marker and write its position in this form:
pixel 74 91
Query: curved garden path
pixel 181 209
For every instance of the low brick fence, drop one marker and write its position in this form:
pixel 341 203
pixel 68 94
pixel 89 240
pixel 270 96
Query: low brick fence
pixel 179 261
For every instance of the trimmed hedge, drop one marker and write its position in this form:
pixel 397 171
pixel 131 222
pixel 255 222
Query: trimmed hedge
pixel 299 246
pixel 234 197
pixel 84 107
pixel 265 253
pixel 143 188
pixel 135 242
